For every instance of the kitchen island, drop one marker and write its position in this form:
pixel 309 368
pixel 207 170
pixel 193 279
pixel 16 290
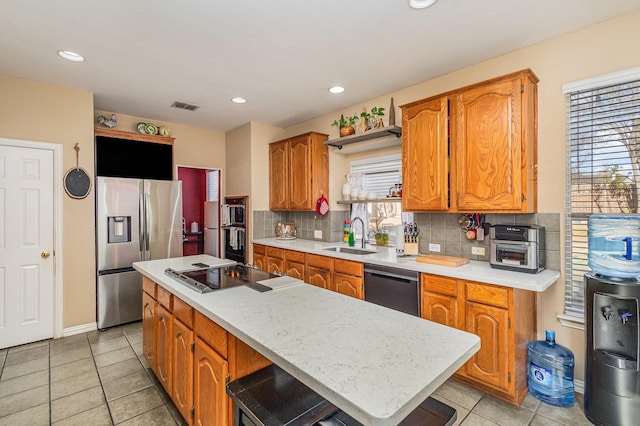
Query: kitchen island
pixel 374 363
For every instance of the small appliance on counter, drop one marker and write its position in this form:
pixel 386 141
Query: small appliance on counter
pixel 517 247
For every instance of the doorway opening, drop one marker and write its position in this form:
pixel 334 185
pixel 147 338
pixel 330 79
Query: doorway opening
pixel 200 210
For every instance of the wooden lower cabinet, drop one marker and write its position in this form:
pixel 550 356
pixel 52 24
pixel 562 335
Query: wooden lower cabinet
pixel 349 285
pixel 193 357
pixel 505 320
pixel 183 369
pixel 163 350
pixel 149 329
pixel 209 386
pixel 490 364
pixel 294 269
pixel 319 277
pixel 259 257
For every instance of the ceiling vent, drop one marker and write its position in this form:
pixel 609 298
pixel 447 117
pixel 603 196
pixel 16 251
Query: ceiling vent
pixel 184 105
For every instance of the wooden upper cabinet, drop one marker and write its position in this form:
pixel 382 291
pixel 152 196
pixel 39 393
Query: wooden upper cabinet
pixel 494 161
pixel 279 175
pixel 298 172
pixel 473 149
pixel 425 176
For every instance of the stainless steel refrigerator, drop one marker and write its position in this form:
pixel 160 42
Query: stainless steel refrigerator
pixel 136 219
pixel 211 228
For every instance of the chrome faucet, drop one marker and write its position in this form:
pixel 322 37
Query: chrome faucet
pixel 364 231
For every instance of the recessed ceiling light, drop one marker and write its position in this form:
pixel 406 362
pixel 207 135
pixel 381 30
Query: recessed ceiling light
pixel 421 4
pixel 238 100
pixel 71 56
pixel 336 89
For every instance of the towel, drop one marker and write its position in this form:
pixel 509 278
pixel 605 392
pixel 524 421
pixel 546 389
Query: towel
pixel 233 238
pixel 224 213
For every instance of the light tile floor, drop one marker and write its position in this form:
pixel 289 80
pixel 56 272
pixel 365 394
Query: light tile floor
pixel 101 378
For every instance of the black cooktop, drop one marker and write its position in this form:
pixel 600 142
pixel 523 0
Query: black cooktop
pixel 209 279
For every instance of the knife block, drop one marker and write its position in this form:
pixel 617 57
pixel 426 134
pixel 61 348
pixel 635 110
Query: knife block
pixel 411 248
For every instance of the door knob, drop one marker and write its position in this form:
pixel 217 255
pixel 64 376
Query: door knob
pixel 45 254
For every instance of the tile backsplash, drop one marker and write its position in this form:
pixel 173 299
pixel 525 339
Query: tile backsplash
pixel 438 228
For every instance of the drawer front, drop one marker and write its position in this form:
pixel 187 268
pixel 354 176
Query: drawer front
pixel 438 284
pixel 488 294
pixel 149 286
pixel 183 312
pixel 320 261
pixel 258 249
pixel 278 253
pixel 213 335
pixel 348 267
pixel 294 256
pixel 165 299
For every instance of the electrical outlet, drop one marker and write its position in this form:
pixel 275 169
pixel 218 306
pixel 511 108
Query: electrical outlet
pixel 479 251
pixel 434 247
pixel 317 234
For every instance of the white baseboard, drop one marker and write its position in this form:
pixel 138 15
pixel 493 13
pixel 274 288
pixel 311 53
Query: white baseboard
pixel 79 329
pixel 578 385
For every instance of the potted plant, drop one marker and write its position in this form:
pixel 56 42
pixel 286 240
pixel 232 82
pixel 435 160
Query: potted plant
pixel 381 234
pixel 372 120
pixel 345 124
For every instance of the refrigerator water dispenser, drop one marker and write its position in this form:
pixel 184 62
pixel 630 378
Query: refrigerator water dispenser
pixel 118 229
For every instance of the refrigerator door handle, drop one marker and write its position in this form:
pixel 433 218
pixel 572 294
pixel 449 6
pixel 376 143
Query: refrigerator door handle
pixel 147 209
pixel 141 222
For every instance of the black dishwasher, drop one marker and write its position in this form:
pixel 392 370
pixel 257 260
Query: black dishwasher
pixel 392 287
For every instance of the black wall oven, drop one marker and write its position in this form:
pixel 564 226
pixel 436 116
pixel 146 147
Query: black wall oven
pixel 234 228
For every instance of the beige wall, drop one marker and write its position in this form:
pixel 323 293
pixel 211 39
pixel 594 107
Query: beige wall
pixel 237 175
pixel 603 48
pixel 41 112
pixel 193 146
pixel 261 136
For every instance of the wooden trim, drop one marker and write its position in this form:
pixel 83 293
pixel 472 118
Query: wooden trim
pixel 212 334
pixel 348 267
pixel 134 136
pixel 165 298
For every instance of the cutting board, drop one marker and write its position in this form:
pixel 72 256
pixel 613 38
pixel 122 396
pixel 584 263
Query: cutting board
pixel 438 259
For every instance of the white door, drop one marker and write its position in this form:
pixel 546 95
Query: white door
pixel 26 245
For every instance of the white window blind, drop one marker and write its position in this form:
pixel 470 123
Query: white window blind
pixel 380 173
pixel 213 185
pixel 603 170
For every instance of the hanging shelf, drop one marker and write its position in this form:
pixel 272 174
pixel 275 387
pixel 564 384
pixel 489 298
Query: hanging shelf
pixel 371 134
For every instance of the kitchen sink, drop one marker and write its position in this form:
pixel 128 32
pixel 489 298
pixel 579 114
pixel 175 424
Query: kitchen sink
pixel 350 250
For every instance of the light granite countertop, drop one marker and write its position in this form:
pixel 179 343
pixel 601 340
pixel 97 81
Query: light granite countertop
pixel 474 270
pixel 374 363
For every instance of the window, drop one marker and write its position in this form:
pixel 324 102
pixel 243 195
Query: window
pixel 376 176
pixel 603 171
pixel 213 185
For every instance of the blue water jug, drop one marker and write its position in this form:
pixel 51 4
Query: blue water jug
pixel 614 245
pixel 551 371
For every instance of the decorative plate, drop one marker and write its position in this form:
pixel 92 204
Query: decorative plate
pixel 140 127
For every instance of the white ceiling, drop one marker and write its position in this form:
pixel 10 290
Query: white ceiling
pixel 282 55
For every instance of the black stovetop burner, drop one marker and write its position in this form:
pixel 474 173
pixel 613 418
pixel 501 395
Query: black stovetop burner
pixel 209 279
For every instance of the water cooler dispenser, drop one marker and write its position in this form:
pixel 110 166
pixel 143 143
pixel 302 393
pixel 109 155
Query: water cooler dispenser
pixel 612 295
